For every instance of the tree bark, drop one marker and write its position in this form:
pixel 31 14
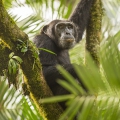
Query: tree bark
pixel 4 51
pixel 93 31
pixel 10 35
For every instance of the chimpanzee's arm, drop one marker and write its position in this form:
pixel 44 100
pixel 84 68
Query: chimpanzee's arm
pixel 80 16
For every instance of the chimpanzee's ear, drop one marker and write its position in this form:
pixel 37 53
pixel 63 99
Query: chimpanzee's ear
pixel 44 29
pixel 47 29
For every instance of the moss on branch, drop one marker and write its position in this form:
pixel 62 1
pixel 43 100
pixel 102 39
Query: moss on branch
pixel 94 31
pixel 4 52
pixel 9 35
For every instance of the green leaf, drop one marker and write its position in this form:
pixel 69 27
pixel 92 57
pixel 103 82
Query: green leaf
pixel 25 49
pixel 11 55
pixel 14 67
pixel 18 59
pixel 73 108
pixel 49 51
pixel 57 98
pixel 68 87
pixel 71 80
pixel 10 63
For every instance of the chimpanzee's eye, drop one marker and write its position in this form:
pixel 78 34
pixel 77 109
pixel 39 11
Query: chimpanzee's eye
pixel 61 26
pixel 70 27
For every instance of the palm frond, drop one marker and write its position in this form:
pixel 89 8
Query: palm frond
pixel 38 13
pixel 101 101
pixel 14 105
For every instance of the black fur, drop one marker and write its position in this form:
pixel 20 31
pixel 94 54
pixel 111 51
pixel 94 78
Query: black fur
pixel 80 16
pixel 47 40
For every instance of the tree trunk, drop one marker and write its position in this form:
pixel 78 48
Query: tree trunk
pixel 10 35
pixel 93 31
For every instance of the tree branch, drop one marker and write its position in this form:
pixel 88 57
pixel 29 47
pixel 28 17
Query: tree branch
pixel 94 31
pixel 4 51
pixel 9 34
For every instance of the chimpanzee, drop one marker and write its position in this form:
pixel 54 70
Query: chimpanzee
pixel 58 37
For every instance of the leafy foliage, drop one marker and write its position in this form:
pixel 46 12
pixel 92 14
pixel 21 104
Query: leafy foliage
pixel 40 12
pixel 13 69
pixel 102 100
pixel 14 105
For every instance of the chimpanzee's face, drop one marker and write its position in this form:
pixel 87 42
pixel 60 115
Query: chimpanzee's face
pixel 65 34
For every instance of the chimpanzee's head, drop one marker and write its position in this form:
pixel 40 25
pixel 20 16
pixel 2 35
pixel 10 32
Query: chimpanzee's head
pixel 62 32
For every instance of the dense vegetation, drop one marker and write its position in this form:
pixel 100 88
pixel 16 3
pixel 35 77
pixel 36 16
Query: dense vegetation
pixel 102 100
